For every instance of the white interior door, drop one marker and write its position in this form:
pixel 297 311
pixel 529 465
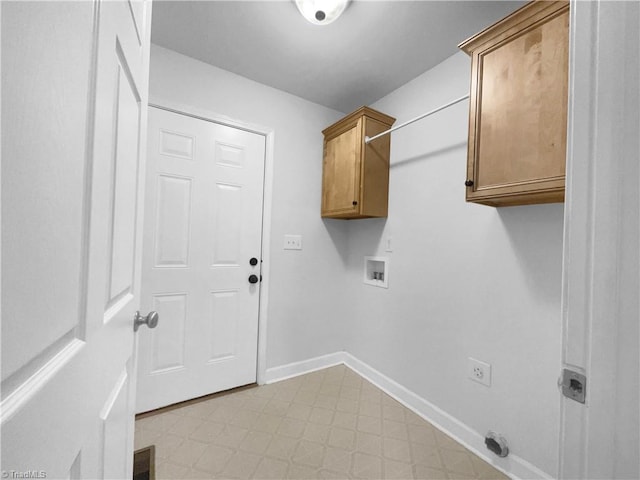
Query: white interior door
pixel 203 227
pixel 74 80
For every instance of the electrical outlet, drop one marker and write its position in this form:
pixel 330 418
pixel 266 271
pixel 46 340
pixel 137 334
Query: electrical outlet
pixel 479 371
pixel 293 242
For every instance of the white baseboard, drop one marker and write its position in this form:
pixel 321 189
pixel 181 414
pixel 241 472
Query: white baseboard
pixel 290 370
pixel 513 466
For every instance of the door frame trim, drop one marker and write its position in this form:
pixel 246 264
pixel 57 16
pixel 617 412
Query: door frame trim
pixel 601 202
pixel 267 203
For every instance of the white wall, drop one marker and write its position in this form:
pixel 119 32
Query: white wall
pixel 302 297
pixel 465 280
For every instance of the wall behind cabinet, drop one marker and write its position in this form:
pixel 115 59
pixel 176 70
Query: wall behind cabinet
pixel 464 280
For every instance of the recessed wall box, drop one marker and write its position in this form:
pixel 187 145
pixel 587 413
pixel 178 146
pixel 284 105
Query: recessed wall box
pixel 376 271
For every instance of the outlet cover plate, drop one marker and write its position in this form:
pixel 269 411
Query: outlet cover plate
pixel 479 371
pixel 293 242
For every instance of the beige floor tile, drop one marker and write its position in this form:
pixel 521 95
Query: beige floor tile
pixel 214 459
pixel 187 453
pixel 428 473
pixel 321 416
pixel 316 432
pixel 230 436
pixel 337 460
pixel 345 420
pixel 170 471
pixel 195 474
pixel 299 411
pixel 457 462
pixel 368 443
pixel 326 424
pixel 310 454
pixel 342 438
pixel 241 466
pixel 166 444
pixel 393 412
pixel 348 391
pixel 330 475
pixel 330 389
pixel 396 449
pixel 285 395
pixel 224 413
pixel 393 429
pixel 423 434
pixel 326 401
pixel 366 466
pixel 267 423
pixel 185 426
pixel 348 405
pixel 302 472
pixel 270 468
pixel 484 471
pixel 255 404
pixel 244 419
pixel 207 431
pixel 276 407
pixel 282 447
pixel 306 397
pixel 162 422
pixel 426 455
pixel 369 408
pixel 369 424
pixel 255 442
pixel 447 442
pixel 290 427
pixel 198 410
pixel 392 469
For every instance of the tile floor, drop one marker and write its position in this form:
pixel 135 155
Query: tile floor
pixel 326 424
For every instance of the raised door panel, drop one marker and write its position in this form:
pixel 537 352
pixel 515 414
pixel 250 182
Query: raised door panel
pixel 44 166
pixel 341 173
pixel 517 138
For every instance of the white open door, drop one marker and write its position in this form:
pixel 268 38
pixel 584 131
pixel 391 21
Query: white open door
pixel 74 94
pixel 202 250
pixel 600 439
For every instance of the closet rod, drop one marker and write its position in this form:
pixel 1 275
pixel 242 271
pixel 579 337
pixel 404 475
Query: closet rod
pixel 370 139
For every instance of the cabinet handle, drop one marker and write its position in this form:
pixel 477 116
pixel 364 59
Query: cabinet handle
pixel 469 183
pixel 354 203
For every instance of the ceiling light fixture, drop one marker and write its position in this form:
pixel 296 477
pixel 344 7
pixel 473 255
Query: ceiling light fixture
pixel 321 12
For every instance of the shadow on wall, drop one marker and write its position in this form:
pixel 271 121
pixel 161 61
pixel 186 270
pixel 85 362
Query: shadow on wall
pixel 337 230
pixel 535 233
pixel 428 155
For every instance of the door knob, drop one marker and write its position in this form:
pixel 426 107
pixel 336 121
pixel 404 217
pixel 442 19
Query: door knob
pixel 253 262
pixel 469 183
pixel 253 279
pixel 150 320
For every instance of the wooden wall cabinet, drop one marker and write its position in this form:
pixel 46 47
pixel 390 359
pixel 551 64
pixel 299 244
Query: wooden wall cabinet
pixel 355 175
pixel 518 107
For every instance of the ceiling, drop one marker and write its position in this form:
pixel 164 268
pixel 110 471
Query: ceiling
pixel 374 48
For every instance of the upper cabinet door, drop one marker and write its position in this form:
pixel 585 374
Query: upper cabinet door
pixel 355 174
pixel 518 107
pixel 341 172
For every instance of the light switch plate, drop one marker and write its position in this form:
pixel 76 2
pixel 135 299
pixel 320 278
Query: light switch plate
pixel 293 242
